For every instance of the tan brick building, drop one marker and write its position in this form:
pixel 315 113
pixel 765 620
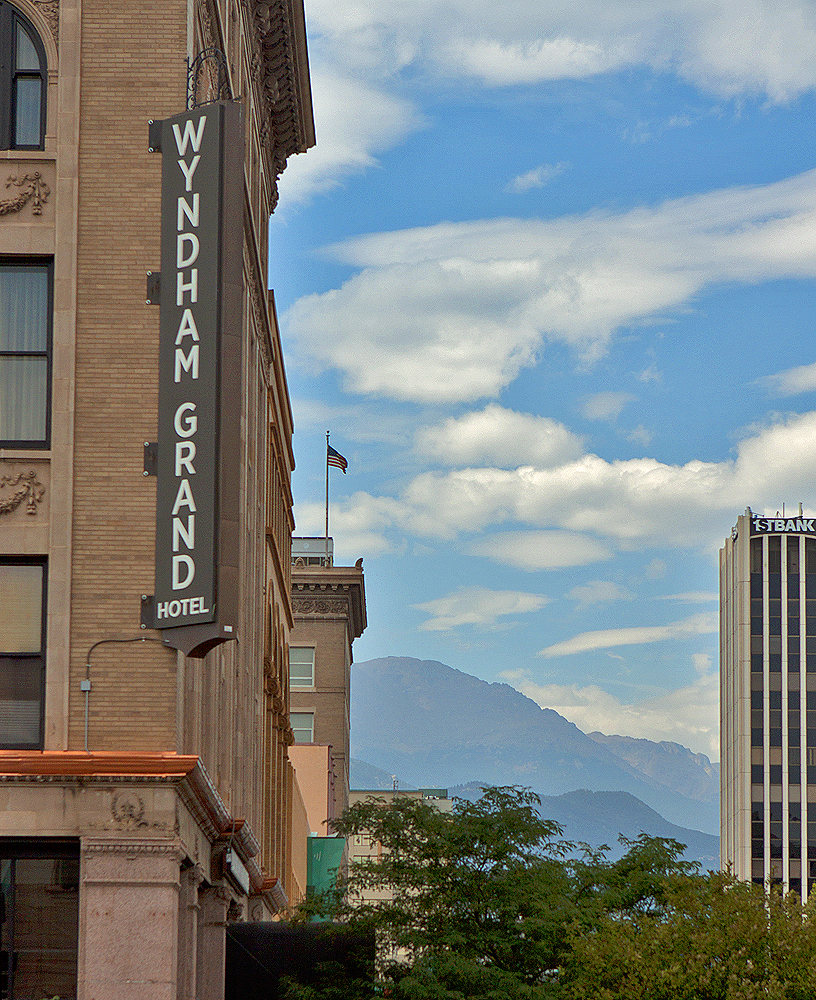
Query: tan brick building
pixel 146 796
pixel 330 613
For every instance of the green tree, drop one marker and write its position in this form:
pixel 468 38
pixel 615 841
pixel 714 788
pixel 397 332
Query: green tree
pixel 480 902
pixel 707 937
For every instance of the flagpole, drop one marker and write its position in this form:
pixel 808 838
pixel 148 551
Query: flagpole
pixel 327 498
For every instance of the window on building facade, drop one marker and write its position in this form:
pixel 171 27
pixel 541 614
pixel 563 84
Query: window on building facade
pixel 39 914
pixel 25 352
pixel 302 724
pixel 23 81
pixel 301 666
pixel 22 653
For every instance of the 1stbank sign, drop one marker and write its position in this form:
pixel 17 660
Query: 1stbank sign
pixel 197 312
pixel 782 525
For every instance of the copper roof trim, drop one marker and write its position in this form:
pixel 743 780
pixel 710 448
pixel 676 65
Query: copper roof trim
pixel 77 763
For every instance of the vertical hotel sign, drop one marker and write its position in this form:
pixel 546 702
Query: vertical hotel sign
pixel 192 433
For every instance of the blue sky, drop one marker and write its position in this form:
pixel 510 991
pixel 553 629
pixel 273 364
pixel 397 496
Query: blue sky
pixel 548 279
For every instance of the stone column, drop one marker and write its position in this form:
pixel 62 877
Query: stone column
pixel 213 903
pixel 188 932
pixel 128 919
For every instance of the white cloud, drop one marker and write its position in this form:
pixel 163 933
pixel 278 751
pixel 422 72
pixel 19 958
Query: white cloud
pixel 634 502
pixel 650 374
pixel 725 46
pixel 453 312
pixel 640 435
pixel 580 510
pixel 358 525
pixel 692 597
pixel 606 405
pixel 538 550
pixel 500 437
pixel 792 381
pixel 599 592
pixel 700 624
pixel 689 715
pixel 359 48
pixel 354 121
pixel 477 606
pixel 534 60
pixel 702 663
pixel 536 178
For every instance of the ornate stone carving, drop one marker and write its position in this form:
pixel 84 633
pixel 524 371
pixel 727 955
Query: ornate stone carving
pixel 127 808
pixel 278 85
pixel 134 847
pixel 30 489
pixel 207 27
pixel 50 11
pixel 319 606
pixel 252 282
pixel 32 188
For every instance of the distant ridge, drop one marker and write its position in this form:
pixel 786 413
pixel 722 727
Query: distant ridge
pixel 366 778
pixel 434 725
pixel 597 818
pixel 677 767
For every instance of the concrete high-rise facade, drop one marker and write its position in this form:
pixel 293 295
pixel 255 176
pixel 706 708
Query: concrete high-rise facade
pixel 147 797
pixel 768 700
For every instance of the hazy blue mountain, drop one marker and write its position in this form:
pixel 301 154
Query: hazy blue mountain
pixel 677 767
pixel 433 725
pixel 597 818
pixel 365 778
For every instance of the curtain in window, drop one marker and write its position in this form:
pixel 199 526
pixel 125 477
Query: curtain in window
pixel 21 596
pixel 24 313
pixel 21 660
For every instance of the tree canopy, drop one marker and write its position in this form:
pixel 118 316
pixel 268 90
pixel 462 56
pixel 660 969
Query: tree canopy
pixel 488 901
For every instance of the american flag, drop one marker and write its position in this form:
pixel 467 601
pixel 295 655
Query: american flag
pixel 336 459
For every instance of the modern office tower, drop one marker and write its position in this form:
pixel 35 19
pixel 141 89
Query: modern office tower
pixel 768 700
pixel 145 503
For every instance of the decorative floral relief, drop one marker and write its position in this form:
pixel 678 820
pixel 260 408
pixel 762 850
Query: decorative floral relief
pixel 32 188
pixel 50 11
pixel 31 490
pixel 320 606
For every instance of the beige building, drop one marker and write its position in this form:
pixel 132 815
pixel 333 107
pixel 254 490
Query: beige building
pixel 768 700
pixel 362 847
pixel 330 613
pixel 147 797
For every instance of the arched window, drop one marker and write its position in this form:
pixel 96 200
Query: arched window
pixel 22 82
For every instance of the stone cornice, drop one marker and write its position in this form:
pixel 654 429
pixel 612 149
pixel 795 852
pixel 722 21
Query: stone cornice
pixel 133 845
pixel 75 763
pixel 336 591
pixel 284 71
pixel 186 772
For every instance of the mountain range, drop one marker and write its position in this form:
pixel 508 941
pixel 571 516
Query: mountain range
pixel 432 725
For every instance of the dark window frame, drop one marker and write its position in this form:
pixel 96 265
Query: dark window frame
pixel 43 444
pixel 10 75
pixel 38 659
pixel 18 849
